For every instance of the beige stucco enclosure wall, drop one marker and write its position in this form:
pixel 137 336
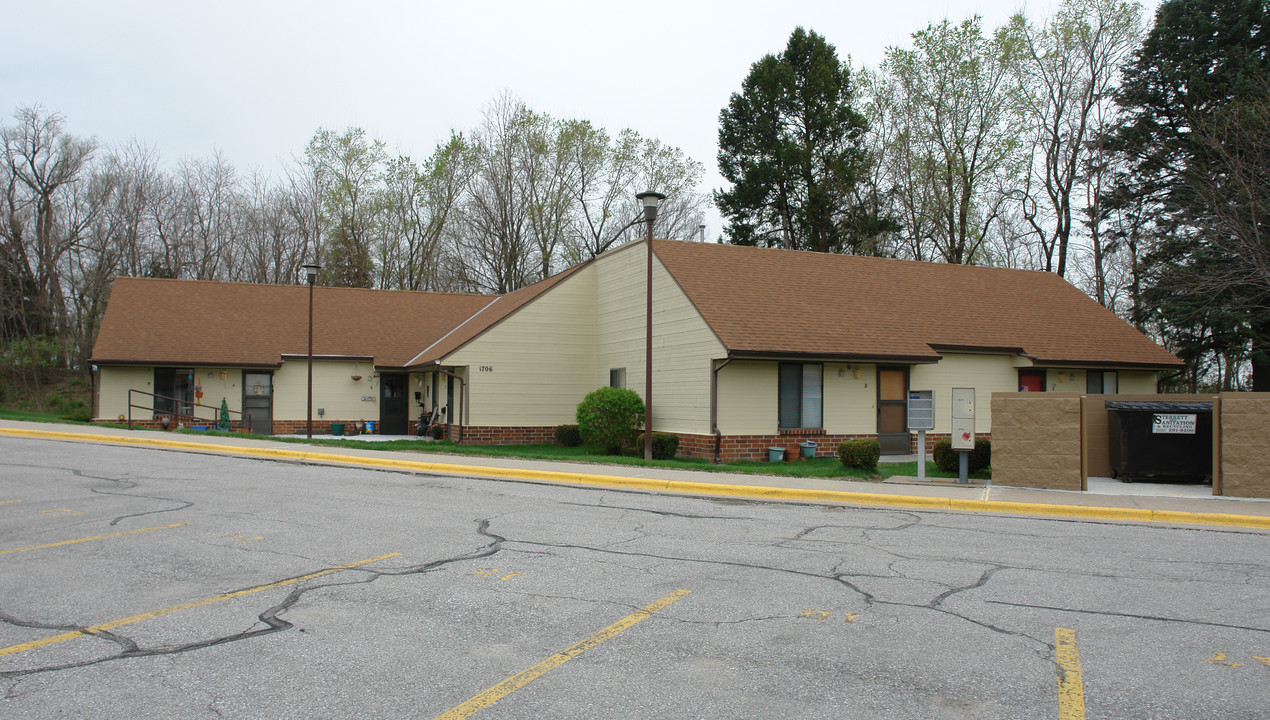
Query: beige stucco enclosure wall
pixel 1053 440
pixel 1036 441
pixel 1243 429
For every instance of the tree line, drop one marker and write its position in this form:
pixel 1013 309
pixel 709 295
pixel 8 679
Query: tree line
pixel 1131 160
pixel 1134 162
pixel 493 209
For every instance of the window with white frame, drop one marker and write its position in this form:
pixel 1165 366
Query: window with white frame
pixel 617 377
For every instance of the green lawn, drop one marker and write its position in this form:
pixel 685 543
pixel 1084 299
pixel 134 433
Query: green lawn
pixel 819 468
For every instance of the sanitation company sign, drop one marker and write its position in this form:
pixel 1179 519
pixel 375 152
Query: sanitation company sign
pixel 1173 424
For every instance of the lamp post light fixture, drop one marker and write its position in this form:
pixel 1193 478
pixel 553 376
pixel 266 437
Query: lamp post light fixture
pixel 311 269
pixel 650 200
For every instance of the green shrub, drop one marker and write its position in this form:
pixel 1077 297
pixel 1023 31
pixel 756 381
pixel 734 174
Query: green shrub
pixel 665 445
pixel 568 435
pixel 860 453
pixel 608 418
pixel 947 459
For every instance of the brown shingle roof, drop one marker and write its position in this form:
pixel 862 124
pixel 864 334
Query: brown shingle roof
pixel 156 321
pixel 782 302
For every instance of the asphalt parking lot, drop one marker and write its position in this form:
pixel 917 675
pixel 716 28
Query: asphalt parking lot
pixel 141 583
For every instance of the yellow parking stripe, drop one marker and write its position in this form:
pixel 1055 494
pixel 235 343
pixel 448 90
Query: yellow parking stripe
pixel 1071 690
pixel 9 502
pixel 86 539
pixel 12 649
pixel 515 682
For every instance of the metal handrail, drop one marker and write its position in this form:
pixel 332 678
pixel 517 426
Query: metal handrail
pixel 179 404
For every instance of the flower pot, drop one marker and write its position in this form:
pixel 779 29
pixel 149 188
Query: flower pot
pixel 775 454
pixel 337 429
pixel 791 453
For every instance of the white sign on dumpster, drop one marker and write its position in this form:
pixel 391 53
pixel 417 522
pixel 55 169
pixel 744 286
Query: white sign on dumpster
pixel 963 418
pixel 1173 424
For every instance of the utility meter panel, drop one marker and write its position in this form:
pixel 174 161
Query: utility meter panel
pixel 921 410
pixel 963 418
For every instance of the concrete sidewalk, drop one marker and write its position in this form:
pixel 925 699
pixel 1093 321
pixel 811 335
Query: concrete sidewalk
pixel 1165 503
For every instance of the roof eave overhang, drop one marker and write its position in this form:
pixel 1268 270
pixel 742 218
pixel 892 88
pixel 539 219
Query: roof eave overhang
pixel 831 356
pixel 202 363
pixel 1120 364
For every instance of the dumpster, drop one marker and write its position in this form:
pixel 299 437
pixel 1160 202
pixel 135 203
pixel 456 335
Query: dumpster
pixel 1161 440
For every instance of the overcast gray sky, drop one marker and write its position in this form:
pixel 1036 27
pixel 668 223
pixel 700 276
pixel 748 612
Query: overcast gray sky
pixel 256 79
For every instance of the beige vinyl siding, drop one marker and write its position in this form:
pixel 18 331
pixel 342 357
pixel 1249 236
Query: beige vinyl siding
pixel 1065 380
pixel 749 395
pixel 1137 382
pixel 748 392
pixel 534 367
pixel 115 382
pixel 683 344
pixel 850 401
pixel 113 386
pixel 219 385
pixel 334 390
pixel 985 373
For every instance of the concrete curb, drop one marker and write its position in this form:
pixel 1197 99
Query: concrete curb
pixel 1175 517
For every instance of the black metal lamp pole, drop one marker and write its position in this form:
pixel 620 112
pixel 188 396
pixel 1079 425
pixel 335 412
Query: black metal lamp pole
pixel 312 271
pixel 650 201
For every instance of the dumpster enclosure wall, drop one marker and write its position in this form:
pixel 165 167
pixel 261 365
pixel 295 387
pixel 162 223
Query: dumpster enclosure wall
pixel 1243 426
pixel 1058 440
pixel 1036 440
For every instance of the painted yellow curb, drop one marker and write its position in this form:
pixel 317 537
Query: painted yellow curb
pixel 1176 517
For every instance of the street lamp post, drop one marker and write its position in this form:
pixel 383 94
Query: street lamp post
pixel 311 269
pixel 650 200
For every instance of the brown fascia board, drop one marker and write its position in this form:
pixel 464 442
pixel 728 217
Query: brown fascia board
pixel 305 356
pixel 834 357
pixel 1044 362
pixel 1003 350
pixel 182 363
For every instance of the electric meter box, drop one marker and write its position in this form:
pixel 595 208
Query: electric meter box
pixel 963 418
pixel 921 410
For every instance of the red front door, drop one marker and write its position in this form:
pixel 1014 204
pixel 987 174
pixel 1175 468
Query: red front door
pixel 1031 381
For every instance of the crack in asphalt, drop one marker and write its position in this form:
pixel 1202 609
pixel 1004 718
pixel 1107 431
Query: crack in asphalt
pixel 663 513
pixel 129 484
pixel 1135 616
pixel 270 617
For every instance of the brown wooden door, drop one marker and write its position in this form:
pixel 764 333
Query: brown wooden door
pixel 893 411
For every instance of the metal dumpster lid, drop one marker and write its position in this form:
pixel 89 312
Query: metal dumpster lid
pixel 1161 406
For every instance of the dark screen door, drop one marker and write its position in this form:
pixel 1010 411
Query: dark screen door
pixel 258 402
pixel 893 411
pixel 393 406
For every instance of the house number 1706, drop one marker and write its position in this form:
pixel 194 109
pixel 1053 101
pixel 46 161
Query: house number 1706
pixel 487 368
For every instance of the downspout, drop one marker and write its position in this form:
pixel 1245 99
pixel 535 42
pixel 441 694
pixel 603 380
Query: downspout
pixel 714 406
pixel 459 404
